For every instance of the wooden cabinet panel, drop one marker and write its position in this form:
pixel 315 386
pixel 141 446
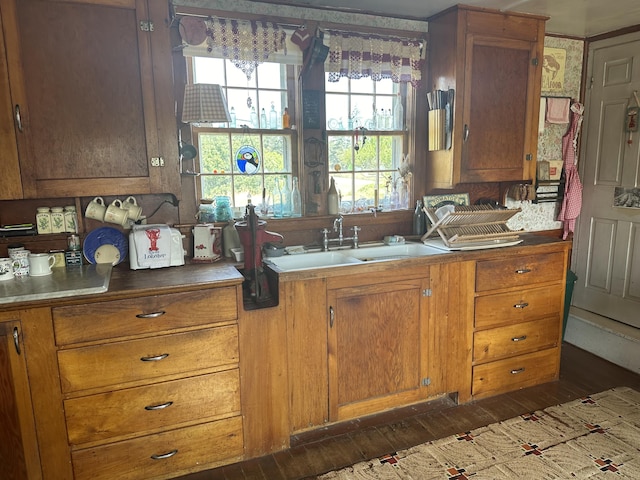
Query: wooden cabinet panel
pixel 153 407
pixel 92 127
pixel 148 358
pixel 491 60
pixel 121 318
pixel 377 347
pixel 517 271
pixel 515 339
pixel 520 306
pixel 514 373
pixel 152 457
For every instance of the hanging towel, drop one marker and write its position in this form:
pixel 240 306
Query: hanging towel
pixel 572 201
pixel 558 110
pixel 543 115
pixel 153 246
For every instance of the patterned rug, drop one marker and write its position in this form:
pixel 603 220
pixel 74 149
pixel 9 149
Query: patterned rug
pixel 594 437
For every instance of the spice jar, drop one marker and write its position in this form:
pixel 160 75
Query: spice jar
pixel 57 220
pixel 43 220
pixel 70 219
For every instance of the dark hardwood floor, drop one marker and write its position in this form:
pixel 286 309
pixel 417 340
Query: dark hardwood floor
pixel 327 449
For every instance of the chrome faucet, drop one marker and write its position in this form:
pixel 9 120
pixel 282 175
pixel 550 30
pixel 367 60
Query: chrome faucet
pixel 337 227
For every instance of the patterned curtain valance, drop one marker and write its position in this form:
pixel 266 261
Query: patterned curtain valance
pixel 356 55
pixel 246 43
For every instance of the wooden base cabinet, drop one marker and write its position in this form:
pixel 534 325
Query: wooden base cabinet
pixel 519 305
pixel 174 383
pixel 493 62
pixel 91 88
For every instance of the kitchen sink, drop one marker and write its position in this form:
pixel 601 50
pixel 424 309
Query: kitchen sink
pixel 307 261
pixel 377 253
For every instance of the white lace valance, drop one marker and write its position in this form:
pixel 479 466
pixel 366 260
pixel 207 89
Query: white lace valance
pixel 356 55
pixel 246 43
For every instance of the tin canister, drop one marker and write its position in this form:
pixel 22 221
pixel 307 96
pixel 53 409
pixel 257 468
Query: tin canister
pixel 59 257
pixel 73 242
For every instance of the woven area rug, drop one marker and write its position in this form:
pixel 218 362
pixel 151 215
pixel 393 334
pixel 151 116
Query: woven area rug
pixel 597 436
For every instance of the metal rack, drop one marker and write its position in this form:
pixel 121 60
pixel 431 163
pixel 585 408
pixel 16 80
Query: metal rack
pixel 472 226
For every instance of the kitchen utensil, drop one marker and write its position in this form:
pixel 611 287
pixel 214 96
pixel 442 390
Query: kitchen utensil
pixel 116 214
pixel 133 209
pixel 96 209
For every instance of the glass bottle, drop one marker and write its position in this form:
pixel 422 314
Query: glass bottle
pixel 296 199
pixel 286 199
pixel 273 117
pixel 232 114
pixel 263 119
pixel 277 200
pixel 332 199
pixel 286 121
pixel 419 220
pixel 254 117
pixel 398 114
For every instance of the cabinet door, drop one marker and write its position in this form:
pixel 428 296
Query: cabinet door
pixel 499 110
pixel 82 78
pixel 19 456
pixel 377 347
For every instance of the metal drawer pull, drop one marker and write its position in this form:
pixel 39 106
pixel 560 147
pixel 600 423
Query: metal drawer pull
pixel 154 358
pixel 164 455
pixel 523 270
pixel 151 315
pixel 519 370
pixel 160 406
pixel 519 339
pixel 521 305
pixel 18 118
pixel 16 339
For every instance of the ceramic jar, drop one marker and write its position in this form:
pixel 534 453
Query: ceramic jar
pixel 57 220
pixel 43 220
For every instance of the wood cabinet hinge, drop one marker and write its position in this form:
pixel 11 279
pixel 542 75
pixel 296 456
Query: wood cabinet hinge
pixel 146 25
pixel 426 292
pixel 157 162
pixel 528 157
pixel 534 62
pixel 426 382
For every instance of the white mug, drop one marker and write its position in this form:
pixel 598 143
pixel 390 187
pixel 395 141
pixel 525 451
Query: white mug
pixel 96 209
pixel 116 214
pixel 6 269
pixel 135 211
pixel 20 262
pixel 40 264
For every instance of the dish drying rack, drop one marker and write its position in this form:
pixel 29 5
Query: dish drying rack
pixel 473 226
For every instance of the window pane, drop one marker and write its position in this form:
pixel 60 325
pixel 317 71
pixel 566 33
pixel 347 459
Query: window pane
pixel 215 154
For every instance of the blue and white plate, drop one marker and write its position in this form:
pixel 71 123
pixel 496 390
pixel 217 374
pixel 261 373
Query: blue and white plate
pixel 105 245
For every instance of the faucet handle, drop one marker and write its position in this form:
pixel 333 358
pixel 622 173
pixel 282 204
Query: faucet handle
pixel 356 229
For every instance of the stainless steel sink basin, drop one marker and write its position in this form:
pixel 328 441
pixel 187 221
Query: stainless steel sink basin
pixel 308 261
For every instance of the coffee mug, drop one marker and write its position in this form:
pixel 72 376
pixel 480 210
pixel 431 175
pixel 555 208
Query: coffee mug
pixel 135 211
pixel 6 269
pixel 14 248
pixel 116 214
pixel 40 264
pixel 96 209
pixel 20 262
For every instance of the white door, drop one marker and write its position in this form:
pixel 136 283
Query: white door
pixel 607 241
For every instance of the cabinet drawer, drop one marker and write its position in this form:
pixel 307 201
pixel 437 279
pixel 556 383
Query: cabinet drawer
pixel 519 271
pixel 514 373
pixel 514 307
pixel 198 447
pixel 148 358
pixel 120 318
pixel 153 407
pixel 515 339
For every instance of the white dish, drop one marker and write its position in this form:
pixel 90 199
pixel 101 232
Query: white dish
pixel 107 253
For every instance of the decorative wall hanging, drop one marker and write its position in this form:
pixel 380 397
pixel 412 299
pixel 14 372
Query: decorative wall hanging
pixel 553 65
pixel 248 159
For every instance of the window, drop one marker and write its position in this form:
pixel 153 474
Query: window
pixel 247 158
pixel 367 143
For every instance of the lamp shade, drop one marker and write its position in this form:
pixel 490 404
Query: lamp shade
pixel 204 103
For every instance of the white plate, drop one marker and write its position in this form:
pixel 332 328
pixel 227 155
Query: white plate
pixel 107 253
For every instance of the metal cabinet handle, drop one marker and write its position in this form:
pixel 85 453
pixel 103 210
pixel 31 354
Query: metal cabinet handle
pixel 155 358
pixel 520 271
pixel 18 118
pixel 151 315
pixel 521 305
pixel 162 456
pixel 16 339
pixel 517 371
pixel 519 339
pixel 160 406
pixel 465 132
pixel 332 317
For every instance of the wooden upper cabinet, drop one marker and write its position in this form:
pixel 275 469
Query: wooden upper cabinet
pixel 493 62
pixel 93 87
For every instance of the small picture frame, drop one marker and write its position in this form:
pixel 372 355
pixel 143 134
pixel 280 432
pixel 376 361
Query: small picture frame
pixel 437 201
